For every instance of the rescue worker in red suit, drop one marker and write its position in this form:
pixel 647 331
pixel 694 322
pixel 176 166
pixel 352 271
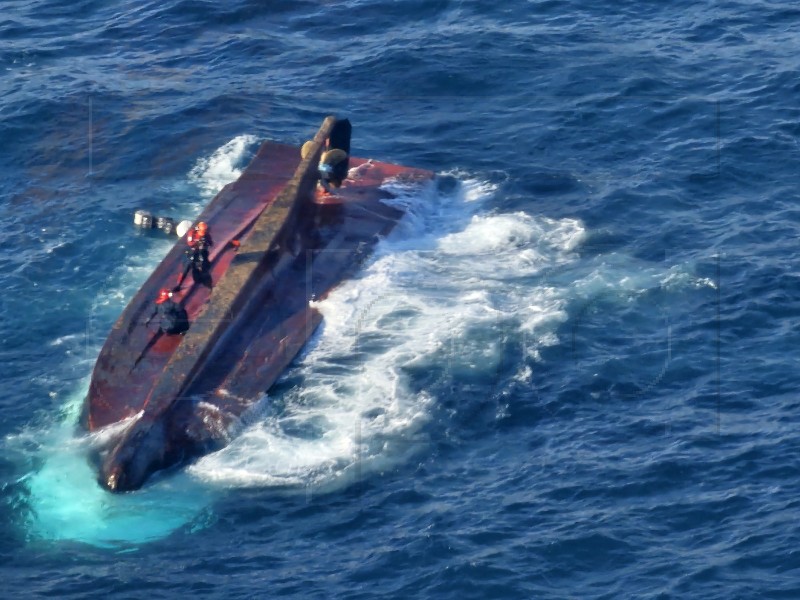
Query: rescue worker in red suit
pixel 198 240
pixel 173 318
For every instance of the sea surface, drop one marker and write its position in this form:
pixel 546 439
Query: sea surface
pixel 571 372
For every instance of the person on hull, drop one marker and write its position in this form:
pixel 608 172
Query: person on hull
pixel 198 241
pixel 173 318
pixel 332 168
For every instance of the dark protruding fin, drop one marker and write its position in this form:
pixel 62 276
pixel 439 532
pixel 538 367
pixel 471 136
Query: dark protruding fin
pixel 340 135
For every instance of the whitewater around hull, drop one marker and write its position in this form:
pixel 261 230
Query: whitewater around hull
pixel 185 393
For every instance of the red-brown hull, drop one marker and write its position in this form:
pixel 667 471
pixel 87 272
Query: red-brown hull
pixel 295 246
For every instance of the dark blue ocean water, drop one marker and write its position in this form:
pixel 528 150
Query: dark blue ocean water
pixel 570 373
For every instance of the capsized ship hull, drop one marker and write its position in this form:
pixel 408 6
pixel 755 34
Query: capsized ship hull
pixel 182 393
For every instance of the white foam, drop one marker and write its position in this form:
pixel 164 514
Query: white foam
pixel 442 296
pixel 64 338
pixel 64 500
pixel 224 166
pixel 444 293
pixel 102 437
pixel 677 277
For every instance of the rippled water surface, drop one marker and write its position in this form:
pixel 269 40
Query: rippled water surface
pixel 570 373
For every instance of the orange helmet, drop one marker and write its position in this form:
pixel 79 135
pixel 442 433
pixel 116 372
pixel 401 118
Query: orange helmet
pixel 163 296
pixel 202 227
